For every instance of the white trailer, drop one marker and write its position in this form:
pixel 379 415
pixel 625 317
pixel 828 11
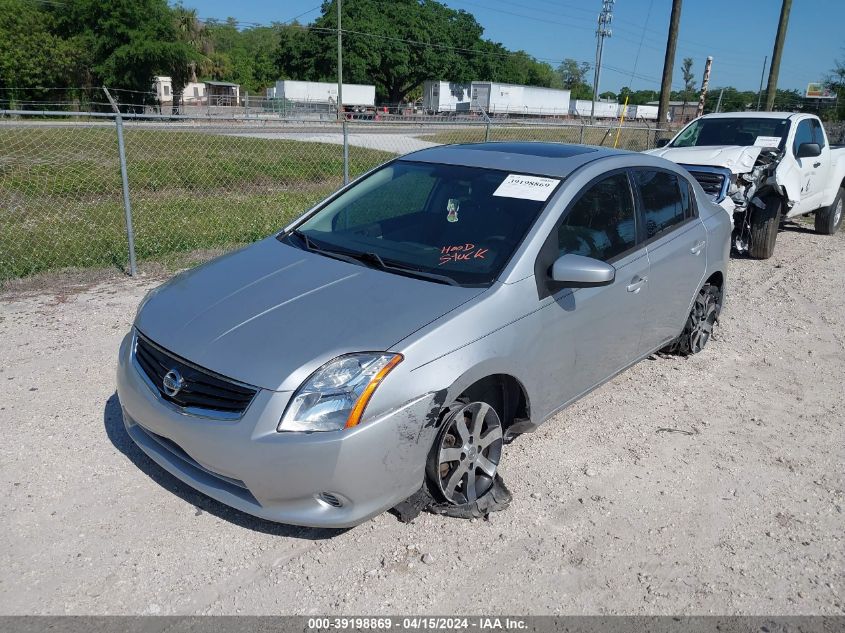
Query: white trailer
pixel 640 113
pixel 319 92
pixel 604 109
pixel 446 96
pixel 498 98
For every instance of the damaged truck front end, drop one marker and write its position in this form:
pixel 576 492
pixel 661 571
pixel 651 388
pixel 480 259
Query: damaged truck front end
pixel 746 185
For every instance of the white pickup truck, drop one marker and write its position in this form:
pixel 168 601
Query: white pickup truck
pixel 763 167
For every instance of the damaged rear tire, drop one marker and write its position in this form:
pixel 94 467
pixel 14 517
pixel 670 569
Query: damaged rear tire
pixel 829 219
pixel 764 229
pixel 701 321
pixel 463 462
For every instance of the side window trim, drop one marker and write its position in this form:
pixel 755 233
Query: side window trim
pixel 818 133
pixel 683 181
pixel 642 238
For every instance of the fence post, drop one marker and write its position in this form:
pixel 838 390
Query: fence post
pixel 127 206
pixel 581 138
pixel 345 151
pixel 487 124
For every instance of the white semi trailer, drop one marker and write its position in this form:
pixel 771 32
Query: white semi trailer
pixel 318 92
pixel 604 109
pixel 639 113
pixel 498 98
pixel 446 96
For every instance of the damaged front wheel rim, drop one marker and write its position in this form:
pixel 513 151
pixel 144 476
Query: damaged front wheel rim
pixel 469 451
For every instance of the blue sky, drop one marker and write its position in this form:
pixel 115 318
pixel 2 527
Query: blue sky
pixel 737 33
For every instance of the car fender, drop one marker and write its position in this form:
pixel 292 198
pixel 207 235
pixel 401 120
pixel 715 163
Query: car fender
pixel 788 178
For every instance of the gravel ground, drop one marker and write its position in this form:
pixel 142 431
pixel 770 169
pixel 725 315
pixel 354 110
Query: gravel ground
pixel 712 484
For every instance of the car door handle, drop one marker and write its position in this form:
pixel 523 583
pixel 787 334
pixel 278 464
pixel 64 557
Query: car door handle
pixel 695 250
pixel 636 284
pixel 817 164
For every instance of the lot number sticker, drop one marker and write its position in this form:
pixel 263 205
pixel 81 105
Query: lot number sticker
pixel 526 187
pixel 767 141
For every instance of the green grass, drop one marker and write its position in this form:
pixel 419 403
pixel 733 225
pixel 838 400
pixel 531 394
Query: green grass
pixel 632 139
pixel 61 197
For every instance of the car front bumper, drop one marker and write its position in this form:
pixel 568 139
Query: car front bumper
pixel 283 477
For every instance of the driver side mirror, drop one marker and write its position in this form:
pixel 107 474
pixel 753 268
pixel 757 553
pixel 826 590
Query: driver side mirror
pixel 663 142
pixel 577 271
pixel 809 150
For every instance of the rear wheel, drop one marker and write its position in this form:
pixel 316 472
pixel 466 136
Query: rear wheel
pixel 829 219
pixel 701 321
pixel 764 229
pixel 464 459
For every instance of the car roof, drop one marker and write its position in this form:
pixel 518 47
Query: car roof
pixel 545 159
pixel 749 115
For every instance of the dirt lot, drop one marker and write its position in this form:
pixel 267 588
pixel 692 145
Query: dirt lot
pixel 707 485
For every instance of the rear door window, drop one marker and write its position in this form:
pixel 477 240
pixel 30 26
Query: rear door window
pixel 688 199
pixel 662 202
pixel 600 224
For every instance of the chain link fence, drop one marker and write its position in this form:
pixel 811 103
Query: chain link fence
pixel 199 186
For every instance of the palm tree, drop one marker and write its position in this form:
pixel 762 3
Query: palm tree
pixel 193 32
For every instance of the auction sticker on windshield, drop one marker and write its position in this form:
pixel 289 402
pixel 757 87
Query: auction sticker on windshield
pixel 767 141
pixel 526 187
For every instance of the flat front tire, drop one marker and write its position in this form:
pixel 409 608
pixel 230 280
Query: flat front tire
pixel 463 462
pixel 764 229
pixel 829 219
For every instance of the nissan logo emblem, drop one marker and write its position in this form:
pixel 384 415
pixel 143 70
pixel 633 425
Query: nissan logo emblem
pixel 172 382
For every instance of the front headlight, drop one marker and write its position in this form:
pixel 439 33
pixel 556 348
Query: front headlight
pixel 335 396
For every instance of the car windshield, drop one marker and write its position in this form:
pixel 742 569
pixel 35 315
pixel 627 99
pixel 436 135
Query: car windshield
pixel 449 223
pixel 739 131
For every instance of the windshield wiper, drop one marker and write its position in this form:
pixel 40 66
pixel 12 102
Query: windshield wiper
pixel 312 247
pixel 404 269
pixel 373 260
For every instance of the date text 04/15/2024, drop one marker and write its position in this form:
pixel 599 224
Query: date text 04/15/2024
pixel 417 623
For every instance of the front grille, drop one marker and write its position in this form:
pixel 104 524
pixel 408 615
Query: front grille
pixel 710 182
pixel 202 390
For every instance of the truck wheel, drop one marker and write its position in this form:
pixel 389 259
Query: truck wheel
pixel 764 229
pixel 829 219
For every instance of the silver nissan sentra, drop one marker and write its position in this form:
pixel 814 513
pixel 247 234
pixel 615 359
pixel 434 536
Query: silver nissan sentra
pixel 400 333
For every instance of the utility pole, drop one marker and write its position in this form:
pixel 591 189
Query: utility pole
pixel 762 74
pixel 603 31
pixel 719 102
pixel 341 115
pixel 669 62
pixel 339 66
pixel 774 68
pixel 705 83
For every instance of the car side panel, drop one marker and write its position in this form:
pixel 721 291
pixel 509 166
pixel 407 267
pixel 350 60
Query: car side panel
pixel 678 262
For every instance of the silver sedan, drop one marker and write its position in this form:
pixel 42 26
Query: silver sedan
pixel 393 339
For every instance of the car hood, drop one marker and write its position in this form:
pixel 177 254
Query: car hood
pixel 270 314
pixel 738 159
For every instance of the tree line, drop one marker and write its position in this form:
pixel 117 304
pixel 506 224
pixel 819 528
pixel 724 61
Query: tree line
pixel 78 46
